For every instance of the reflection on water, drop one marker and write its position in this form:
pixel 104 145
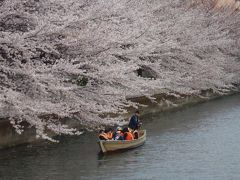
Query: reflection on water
pixel 198 142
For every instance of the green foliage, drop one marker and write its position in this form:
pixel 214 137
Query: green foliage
pixel 80 80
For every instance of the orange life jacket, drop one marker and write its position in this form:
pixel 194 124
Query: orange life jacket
pixel 103 136
pixel 109 135
pixel 128 136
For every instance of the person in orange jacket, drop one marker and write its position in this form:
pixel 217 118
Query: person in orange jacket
pixel 127 135
pixel 102 135
pixel 109 133
pixel 105 135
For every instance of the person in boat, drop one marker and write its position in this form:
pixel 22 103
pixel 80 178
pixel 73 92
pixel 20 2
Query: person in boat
pixel 102 135
pixel 109 133
pixel 105 135
pixel 134 121
pixel 118 134
pixel 128 134
pixel 135 134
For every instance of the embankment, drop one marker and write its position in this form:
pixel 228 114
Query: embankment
pixel 84 61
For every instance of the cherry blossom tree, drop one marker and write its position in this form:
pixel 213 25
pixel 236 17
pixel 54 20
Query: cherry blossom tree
pixel 80 60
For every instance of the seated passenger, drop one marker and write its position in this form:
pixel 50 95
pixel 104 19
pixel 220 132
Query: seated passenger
pixel 118 135
pixel 127 135
pixel 109 133
pixel 135 134
pixel 102 135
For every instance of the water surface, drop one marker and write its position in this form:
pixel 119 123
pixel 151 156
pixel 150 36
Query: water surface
pixel 196 142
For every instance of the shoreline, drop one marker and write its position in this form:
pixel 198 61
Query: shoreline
pixel 81 67
pixel 162 103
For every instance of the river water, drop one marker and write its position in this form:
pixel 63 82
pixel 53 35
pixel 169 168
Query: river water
pixel 201 141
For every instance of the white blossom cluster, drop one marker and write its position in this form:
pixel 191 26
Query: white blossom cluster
pixel 78 59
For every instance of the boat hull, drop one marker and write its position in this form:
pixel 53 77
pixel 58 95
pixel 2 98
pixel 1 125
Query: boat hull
pixel 115 145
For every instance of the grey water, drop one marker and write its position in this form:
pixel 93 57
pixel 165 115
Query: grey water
pixel 200 141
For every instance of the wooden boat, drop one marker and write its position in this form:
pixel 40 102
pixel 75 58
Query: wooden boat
pixel 114 145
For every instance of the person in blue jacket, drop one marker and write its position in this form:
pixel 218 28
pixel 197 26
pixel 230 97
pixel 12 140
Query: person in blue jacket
pixel 134 121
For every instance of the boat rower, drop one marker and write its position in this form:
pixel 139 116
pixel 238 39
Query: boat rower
pixel 134 122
